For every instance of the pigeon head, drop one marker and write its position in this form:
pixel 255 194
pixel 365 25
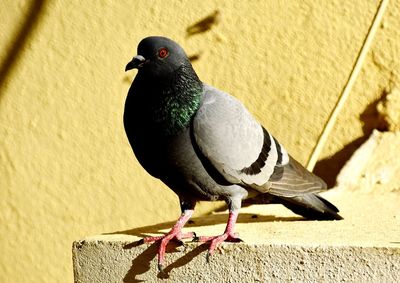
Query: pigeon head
pixel 158 57
pixel 169 89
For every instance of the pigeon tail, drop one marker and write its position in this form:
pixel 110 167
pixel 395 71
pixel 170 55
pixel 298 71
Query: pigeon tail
pixel 311 206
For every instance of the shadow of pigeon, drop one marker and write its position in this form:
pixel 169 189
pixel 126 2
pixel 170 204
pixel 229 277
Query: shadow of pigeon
pixel 182 261
pixel 140 264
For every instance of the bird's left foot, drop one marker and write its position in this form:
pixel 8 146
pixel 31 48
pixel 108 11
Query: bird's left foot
pixel 215 241
pixel 228 236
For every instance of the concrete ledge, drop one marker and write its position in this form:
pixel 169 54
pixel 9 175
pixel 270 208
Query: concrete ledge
pixel 278 246
pixel 107 259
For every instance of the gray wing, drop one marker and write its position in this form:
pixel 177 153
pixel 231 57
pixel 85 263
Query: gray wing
pixel 292 179
pixel 244 152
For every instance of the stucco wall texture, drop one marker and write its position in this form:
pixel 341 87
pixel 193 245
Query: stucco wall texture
pixel 66 168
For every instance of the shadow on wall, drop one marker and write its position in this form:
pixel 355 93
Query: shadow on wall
pixel 19 41
pixel 329 168
pixel 202 26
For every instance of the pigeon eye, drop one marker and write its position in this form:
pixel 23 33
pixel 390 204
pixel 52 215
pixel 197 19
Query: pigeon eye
pixel 163 52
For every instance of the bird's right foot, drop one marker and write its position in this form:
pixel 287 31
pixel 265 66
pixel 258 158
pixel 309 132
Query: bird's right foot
pixel 164 240
pixel 174 234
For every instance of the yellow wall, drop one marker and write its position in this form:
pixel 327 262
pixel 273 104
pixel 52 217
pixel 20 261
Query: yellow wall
pixel 66 168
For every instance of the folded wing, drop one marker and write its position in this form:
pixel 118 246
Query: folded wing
pixel 243 152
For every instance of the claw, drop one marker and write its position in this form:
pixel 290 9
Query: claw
pixel 208 255
pixel 181 243
pixel 195 238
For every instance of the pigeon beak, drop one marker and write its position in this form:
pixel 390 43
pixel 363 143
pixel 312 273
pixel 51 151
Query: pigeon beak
pixel 136 63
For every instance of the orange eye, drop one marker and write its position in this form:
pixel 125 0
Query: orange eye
pixel 163 52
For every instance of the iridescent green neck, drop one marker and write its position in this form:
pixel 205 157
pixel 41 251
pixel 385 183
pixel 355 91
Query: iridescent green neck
pixel 178 102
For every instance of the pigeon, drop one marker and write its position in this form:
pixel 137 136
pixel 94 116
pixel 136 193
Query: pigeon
pixel 205 146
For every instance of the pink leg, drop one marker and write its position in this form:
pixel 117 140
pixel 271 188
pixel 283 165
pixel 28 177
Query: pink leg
pixel 175 233
pixel 228 236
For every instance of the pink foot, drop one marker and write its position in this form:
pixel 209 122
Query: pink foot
pixel 215 241
pixel 228 236
pixel 174 234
